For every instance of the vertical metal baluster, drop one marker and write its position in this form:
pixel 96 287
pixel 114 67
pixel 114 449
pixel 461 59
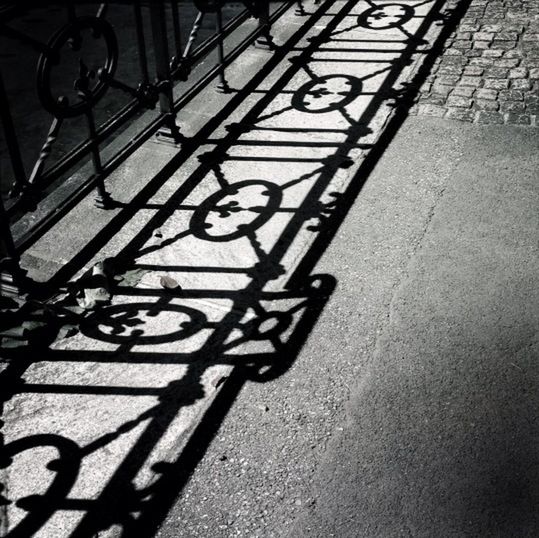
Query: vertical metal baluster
pixel 12 278
pixel 20 181
pixel 223 84
pixel 193 35
pixel 176 59
pixel 102 10
pixel 47 146
pixel 164 79
pixel 141 43
pixel 103 199
pixel 264 40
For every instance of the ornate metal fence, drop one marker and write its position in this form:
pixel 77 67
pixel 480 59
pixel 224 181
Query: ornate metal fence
pixel 82 56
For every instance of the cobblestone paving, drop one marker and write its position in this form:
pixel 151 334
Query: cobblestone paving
pixel 489 71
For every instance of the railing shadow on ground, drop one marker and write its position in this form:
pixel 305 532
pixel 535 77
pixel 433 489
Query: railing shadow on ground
pixel 254 316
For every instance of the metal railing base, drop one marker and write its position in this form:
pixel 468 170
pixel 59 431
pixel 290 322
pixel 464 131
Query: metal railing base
pixel 264 42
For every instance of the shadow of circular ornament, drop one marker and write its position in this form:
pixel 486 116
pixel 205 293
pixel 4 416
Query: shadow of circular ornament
pixel 327 93
pixel 125 322
pixel 271 325
pixel 386 16
pixel 99 29
pixel 65 466
pixel 222 217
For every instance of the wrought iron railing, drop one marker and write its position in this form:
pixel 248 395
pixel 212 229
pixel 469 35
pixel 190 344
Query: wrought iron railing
pixel 86 36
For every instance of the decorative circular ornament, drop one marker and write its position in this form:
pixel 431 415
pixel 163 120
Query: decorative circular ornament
pixel 222 218
pixel 327 93
pixel 47 61
pixel 385 17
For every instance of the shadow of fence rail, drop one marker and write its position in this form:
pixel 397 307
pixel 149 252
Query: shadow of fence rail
pixel 245 230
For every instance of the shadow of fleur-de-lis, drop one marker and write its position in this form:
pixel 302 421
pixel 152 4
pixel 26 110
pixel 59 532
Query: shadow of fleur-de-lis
pixel 227 209
pixel 119 324
pixel 319 92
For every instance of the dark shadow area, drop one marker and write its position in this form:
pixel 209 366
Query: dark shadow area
pixel 265 324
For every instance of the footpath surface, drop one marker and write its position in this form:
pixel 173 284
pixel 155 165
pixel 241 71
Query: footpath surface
pixel 283 262
pixel 412 409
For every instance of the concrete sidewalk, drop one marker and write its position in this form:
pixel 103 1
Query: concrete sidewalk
pixel 264 279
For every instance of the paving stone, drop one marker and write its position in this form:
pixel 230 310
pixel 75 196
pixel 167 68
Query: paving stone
pixel 531 99
pixel 496 84
pixel 528 46
pixel 534 73
pixel 483 36
pixel 482 62
pixel 461 114
pixel 473 70
pixel 448 79
pixel 486 94
pixel 506 36
pixel 481 44
pixel 466 27
pixel 496 72
pixel 458 101
pixel 511 95
pixel 434 99
pixel 521 84
pixel 431 110
pixel 442 89
pixel 450 70
pixel 515 53
pixel 462 44
pixel 517 119
pixel 464 91
pixel 489 117
pixel 506 62
pixel 513 106
pixel 519 72
pixel 503 45
pixel 453 61
pixel 492 53
pixel 484 104
pixel 494 28
pixel 470 81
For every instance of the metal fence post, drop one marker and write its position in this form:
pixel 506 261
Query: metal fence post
pixel 20 179
pixel 12 277
pixel 265 39
pixel 162 67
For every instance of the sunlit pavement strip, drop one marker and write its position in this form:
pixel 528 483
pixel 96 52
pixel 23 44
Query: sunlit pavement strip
pixel 118 401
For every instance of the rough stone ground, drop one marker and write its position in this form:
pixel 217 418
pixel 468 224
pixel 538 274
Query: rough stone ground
pixel 489 70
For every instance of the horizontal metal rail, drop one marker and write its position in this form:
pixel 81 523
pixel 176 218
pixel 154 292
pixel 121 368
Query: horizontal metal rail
pixel 29 193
